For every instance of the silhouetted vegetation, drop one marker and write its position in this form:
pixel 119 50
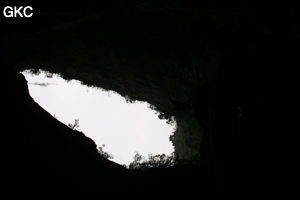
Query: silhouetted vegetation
pixel 75 125
pixel 47 74
pixel 162 115
pixel 103 153
pixel 128 99
pixel 159 160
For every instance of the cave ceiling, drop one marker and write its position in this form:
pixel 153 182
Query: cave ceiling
pixel 142 52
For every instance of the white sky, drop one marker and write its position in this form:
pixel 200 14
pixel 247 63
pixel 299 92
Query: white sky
pixel 105 117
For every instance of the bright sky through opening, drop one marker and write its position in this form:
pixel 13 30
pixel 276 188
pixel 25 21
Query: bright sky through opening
pixel 105 117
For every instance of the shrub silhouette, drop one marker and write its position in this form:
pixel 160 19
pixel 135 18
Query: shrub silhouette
pixel 75 125
pixel 159 160
pixel 104 154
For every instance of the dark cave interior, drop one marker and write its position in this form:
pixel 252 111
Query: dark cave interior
pixel 226 70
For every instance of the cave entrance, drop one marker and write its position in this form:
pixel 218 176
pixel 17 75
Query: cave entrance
pixel 104 116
